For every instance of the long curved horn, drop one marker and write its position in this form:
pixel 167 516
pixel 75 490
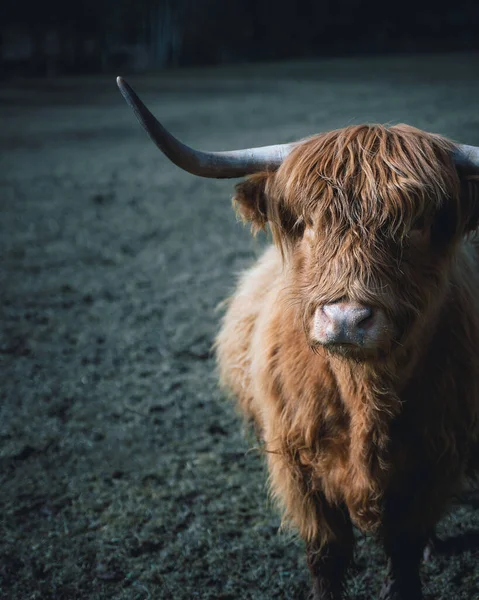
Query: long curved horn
pixel 219 165
pixel 467 158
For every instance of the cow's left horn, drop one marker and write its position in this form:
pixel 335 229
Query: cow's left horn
pixel 467 158
pixel 219 165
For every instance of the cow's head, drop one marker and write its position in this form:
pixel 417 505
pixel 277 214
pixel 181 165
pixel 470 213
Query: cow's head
pixel 368 219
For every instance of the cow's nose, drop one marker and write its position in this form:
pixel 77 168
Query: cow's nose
pixel 343 323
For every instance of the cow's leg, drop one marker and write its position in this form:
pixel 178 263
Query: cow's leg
pixel 326 529
pixel 328 562
pixel 330 555
pixel 405 553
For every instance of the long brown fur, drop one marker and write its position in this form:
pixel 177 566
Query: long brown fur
pixel 381 216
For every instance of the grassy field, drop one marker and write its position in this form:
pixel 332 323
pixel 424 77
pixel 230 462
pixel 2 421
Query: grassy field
pixel 124 472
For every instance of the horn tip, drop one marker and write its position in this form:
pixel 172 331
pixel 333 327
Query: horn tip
pixel 122 84
pixel 124 88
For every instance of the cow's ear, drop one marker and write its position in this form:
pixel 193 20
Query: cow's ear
pixel 470 203
pixel 251 200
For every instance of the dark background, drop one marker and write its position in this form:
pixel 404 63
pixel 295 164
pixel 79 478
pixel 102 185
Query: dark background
pixel 99 35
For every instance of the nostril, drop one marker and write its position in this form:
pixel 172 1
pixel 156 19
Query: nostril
pixel 362 316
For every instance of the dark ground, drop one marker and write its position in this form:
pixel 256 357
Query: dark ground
pixel 124 471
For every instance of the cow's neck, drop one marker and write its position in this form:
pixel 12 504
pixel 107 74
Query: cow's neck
pixel 371 384
pixel 370 398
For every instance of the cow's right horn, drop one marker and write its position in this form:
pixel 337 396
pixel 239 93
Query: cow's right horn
pixel 219 165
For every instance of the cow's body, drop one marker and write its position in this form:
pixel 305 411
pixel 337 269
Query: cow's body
pixel 337 433
pixel 353 343
pixel 383 440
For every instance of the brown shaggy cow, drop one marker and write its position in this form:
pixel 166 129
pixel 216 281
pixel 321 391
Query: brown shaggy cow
pixel 353 343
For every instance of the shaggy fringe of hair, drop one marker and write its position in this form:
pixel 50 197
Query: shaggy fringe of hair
pixel 379 181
